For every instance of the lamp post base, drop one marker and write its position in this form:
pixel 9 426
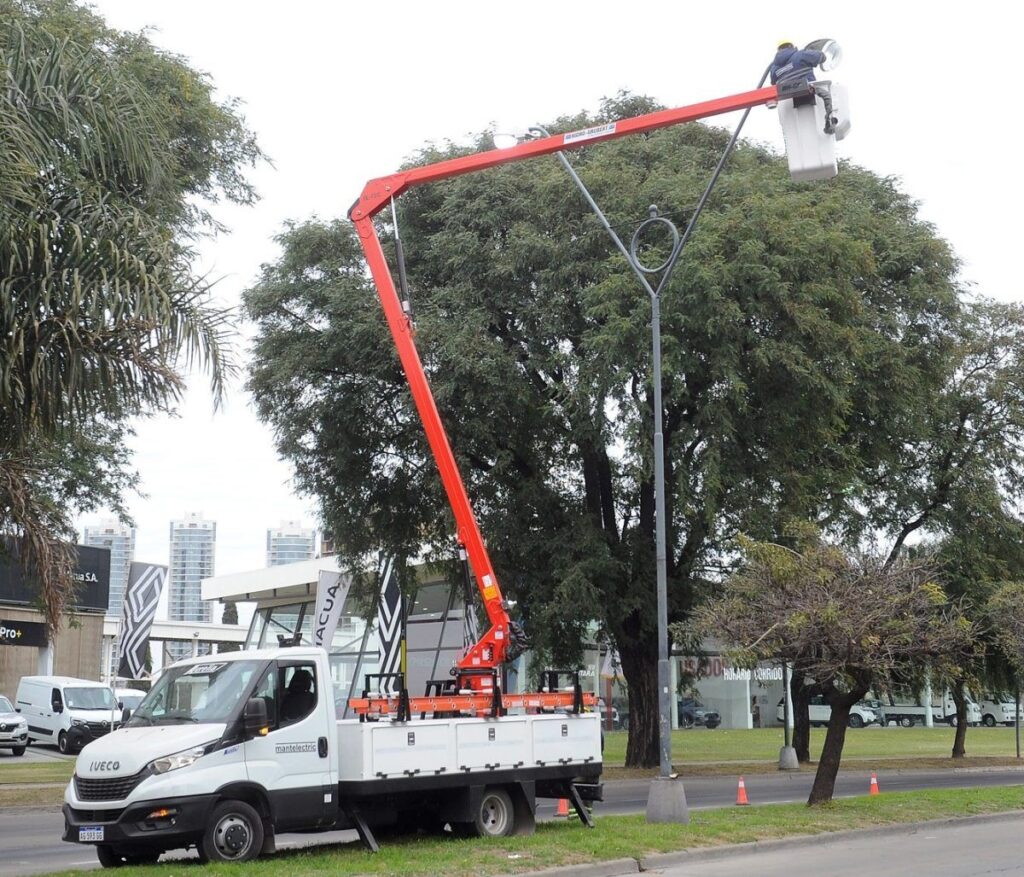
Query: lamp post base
pixel 666 801
pixel 787 759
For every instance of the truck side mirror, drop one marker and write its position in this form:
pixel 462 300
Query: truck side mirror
pixel 125 715
pixel 58 707
pixel 254 717
pixel 120 704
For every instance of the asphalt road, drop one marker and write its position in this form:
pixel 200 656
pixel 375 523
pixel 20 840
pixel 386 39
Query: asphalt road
pixel 965 850
pixel 30 839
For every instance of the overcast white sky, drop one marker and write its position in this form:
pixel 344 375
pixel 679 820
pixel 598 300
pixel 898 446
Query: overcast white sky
pixel 340 92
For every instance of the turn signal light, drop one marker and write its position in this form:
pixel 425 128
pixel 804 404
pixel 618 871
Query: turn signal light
pixel 163 813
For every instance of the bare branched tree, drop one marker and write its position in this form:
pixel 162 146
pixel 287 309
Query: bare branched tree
pixel 844 621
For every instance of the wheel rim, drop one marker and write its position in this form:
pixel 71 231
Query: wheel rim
pixel 62 742
pixel 233 836
pixel 494 815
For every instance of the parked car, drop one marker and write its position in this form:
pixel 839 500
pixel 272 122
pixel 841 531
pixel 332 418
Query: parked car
pixel 603 709
pixel 13 728
pixel 861 713
pixel 998 708
pixel 64 711
pixel 693 712
pixel 128 698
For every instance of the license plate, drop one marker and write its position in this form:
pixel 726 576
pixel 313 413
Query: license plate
pixel 88 833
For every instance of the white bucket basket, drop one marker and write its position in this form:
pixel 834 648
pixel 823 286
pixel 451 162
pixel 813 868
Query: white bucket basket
pixel 812 152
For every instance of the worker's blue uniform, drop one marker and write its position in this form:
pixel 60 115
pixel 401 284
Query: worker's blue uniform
pixel 795 64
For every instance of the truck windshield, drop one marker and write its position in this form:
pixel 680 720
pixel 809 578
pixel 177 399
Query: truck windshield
pixel 5 705
pixel 89 698
pixel 204 693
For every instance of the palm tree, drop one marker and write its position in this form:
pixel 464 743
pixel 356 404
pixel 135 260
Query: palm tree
pixel 100 316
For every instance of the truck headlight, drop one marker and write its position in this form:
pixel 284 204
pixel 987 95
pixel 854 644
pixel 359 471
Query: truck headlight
pixel 79 722
pixel 178 760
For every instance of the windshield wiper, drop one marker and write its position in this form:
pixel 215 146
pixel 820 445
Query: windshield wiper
pixel 181 717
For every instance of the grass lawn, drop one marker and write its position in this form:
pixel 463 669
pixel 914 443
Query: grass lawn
pixel 615 837
pixel 18 771
pixel 694 746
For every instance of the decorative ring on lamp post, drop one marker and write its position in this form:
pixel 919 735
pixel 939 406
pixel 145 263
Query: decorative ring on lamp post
pixel 647 225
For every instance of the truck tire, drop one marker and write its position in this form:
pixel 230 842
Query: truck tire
pixel 65 748
pixel 495 817
pixel 906 721
pixel 855 721
pixel 989 720
pixel 952 721
pixel 17 750
pixel 233 834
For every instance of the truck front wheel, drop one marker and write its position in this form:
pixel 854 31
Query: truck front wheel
pixel 233 834
pixel 495 817
pixel 906 721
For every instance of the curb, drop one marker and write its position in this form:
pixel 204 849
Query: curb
pixel 682 857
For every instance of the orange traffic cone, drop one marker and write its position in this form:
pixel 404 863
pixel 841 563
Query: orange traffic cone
pixel 563 807
pixel 741 794
pixel 874 784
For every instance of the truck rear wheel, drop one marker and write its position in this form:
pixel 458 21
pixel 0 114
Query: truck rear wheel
pixel 495 817
pixel 906 721
pixel 233 834
pixel 855 721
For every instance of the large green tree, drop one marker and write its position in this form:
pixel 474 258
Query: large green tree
pixel 112 151
pixel 800 323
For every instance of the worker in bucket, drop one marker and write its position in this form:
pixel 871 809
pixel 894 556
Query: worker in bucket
pixel 793 65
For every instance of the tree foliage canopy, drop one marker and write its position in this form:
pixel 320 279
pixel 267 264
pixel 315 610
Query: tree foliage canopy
pixel 801 326
pixel 111 152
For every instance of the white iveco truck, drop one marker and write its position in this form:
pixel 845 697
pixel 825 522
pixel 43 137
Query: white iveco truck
pixel 226 751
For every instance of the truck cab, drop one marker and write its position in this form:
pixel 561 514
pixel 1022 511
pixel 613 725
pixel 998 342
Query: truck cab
pixel 228 750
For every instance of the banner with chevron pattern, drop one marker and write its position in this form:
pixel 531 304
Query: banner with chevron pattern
pixel 390 623
pixel 145 583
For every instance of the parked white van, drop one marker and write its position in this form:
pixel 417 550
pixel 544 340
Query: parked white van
pixel 129 698
pixel 999 708
pixel 64 711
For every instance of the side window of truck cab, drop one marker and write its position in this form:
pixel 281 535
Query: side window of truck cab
pixel 298 688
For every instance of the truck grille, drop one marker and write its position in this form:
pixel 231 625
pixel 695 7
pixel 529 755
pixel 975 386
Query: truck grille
pixel 106 789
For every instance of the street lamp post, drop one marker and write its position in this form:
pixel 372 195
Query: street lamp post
pixel 667 800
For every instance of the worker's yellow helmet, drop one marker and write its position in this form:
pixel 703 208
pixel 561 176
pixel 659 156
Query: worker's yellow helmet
pixel 787 44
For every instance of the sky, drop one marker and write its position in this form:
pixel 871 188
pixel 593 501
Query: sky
pixel 340 92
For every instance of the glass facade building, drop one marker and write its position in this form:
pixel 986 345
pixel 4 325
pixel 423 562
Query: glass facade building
pixel 290 543
pixel 119 540
pixel 434 637
pixel 193 546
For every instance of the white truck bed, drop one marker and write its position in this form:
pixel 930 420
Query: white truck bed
pixel 376 750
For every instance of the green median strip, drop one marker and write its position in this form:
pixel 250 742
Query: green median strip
pixel 36 772
pixel 615 837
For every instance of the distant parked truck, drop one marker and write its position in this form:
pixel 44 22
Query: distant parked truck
pixel 906 713
pixel 819 711
pixel 998 709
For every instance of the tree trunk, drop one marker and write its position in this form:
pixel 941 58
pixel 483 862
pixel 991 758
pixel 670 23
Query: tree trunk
pixel 835 737
pixel 640 669
pixel 957 690
pixel 800 696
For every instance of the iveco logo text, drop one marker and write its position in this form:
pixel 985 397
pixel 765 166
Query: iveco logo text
pixel 104 765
